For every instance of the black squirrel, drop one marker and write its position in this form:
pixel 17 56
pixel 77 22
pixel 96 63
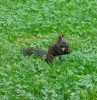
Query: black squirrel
pixel 61 47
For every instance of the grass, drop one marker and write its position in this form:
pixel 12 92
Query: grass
pixel 38 24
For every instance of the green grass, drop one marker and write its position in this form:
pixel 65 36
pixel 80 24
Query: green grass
pixel 38 23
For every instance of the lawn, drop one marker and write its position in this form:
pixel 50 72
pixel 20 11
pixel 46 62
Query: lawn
pixel 38 24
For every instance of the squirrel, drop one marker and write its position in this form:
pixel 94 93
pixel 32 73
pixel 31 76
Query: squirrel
pixel 61 47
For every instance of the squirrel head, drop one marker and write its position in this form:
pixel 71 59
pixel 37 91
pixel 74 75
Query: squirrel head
pixel 63 42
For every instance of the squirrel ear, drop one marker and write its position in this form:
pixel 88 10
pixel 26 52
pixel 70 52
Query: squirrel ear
pixel 62 35
pixel 59 37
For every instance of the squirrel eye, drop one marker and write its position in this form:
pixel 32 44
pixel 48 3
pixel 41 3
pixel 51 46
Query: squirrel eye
pixel 63 42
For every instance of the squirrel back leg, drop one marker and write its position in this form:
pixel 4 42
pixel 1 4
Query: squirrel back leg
pixel 50 58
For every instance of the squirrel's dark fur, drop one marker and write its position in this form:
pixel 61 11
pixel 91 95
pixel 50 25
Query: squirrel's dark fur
pixel 61 47
pixel 58 49
pixel 30 51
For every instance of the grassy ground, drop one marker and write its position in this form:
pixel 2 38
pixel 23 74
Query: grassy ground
pixel 38 23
